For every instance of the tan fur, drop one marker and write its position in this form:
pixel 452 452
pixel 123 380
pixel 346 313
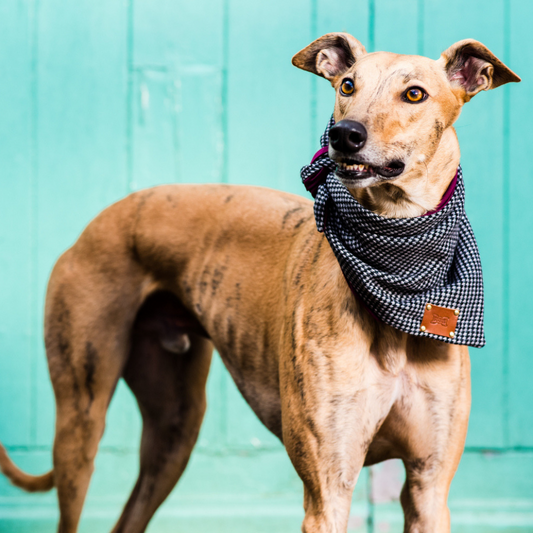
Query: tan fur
pixel 156 275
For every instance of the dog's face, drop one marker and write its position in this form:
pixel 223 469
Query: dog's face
pixel 390 114
pixel 392 111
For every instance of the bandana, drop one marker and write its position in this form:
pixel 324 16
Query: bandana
pixel 420 275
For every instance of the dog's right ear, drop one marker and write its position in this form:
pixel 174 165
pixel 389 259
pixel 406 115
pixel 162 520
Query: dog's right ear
pixel 330 55
pixel 471 67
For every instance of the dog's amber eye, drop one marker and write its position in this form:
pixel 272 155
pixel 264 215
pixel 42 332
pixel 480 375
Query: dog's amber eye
pixel 415 95
pixel 347 87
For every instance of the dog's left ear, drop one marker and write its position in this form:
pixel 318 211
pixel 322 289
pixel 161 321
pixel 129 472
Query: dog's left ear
pixel 330 55
pixel 472 67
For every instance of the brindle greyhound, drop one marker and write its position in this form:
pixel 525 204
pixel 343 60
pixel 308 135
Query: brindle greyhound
pixel 159 278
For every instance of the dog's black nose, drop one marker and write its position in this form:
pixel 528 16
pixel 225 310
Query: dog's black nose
pixel 347 136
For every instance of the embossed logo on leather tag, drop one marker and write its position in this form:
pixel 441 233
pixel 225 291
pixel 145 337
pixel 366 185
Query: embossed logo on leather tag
pixel 439 320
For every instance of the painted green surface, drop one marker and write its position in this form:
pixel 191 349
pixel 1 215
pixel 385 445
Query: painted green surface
pixel 100 98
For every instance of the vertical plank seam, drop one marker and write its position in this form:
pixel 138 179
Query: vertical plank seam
pixel 130 73
pixel 420 27
pixel 314 88
pixel 372 25
pixel 34 314
pixel 177 104
pixel 506 228
pixel 224 178
pixel 370 525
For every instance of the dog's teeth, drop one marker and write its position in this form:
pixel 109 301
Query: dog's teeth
pixel 355 167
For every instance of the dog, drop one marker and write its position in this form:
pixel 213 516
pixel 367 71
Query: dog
pixel 160 278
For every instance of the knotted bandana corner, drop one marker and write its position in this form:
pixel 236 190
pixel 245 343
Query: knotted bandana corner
pixel 404 268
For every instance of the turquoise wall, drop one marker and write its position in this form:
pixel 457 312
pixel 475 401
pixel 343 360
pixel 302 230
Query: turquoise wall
pixel 102 97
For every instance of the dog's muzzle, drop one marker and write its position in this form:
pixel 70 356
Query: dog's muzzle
pixel 347 138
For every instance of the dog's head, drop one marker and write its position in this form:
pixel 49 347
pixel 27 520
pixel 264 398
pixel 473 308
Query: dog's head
pixel 394 112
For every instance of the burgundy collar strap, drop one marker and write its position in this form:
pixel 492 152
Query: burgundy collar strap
pixel 421 275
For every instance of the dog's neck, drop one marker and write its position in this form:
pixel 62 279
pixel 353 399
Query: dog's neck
pixel 421 189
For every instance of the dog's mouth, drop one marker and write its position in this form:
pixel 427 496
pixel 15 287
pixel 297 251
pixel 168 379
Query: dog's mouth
pixel 350 169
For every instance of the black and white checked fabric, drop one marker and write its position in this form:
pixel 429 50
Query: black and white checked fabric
pixel 397 266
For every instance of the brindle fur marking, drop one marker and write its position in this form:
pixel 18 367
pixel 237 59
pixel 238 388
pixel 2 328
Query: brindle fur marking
pixel 160 277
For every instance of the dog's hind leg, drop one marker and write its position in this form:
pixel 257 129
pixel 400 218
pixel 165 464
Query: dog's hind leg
pixel 170 391
pixel 88 318
pixel 80 421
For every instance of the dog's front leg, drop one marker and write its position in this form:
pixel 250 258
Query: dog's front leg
pixel 431 420
pixel 332 406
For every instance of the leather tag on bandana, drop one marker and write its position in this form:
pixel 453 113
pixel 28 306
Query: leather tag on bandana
pixel 439 320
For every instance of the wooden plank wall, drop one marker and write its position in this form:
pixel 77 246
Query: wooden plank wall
pixel 100 98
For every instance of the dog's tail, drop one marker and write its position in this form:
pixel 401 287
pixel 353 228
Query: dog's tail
pixel 21 479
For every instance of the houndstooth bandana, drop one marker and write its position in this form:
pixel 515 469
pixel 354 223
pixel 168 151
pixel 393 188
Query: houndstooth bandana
pixel 400 267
